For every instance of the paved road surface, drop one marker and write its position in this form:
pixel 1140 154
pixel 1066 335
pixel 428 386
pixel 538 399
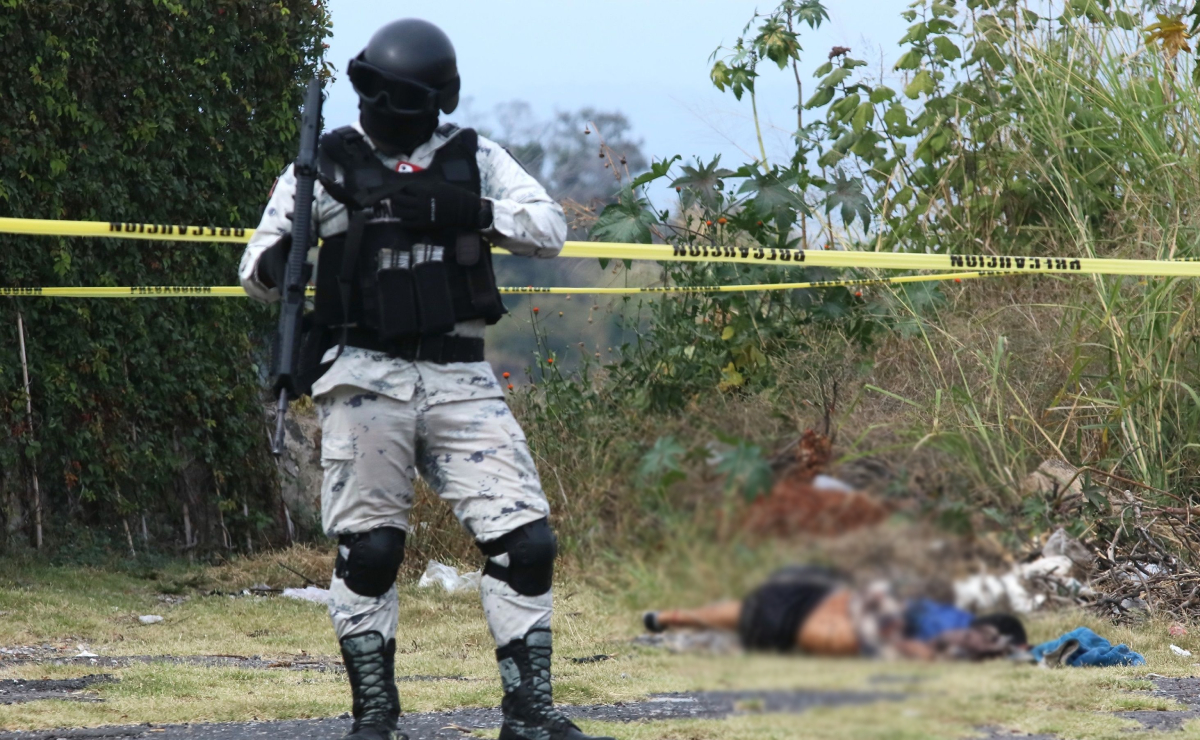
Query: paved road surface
pixel 431 725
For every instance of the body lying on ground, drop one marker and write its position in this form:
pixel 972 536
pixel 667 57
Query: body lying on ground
pixel 815 611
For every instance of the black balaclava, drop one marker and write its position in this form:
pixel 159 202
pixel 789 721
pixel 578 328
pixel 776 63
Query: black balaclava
pixel 395 135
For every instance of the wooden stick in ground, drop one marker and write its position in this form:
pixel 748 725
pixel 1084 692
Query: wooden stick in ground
pixel 37 494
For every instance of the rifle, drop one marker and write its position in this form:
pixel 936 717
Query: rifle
pixel 292 298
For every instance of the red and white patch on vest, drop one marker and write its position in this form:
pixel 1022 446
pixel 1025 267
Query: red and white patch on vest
pixel 405 168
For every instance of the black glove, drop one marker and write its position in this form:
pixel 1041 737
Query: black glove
pixel 272 264
pixel 429 204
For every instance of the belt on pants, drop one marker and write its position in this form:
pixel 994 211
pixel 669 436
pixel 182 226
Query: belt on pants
pixel 441 349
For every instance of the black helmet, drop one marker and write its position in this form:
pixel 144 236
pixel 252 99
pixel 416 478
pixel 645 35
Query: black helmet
pixel 407 69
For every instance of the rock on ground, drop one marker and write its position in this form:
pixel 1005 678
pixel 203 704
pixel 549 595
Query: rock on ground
pixel 300 464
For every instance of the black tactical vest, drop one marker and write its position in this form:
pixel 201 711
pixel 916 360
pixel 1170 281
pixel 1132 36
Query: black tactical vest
pixel 392 282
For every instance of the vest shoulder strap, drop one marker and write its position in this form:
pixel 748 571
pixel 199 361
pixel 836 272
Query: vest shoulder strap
pixel 362 172
pixel 457 161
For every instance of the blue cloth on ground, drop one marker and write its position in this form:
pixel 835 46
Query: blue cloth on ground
pixel 925 619
pixel 1093 650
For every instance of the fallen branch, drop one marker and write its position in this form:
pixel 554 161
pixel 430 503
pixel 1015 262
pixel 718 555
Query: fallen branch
pixel 307 581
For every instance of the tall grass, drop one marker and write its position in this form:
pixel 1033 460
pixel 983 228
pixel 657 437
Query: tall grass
pixel 1138 361
pixel 1107 368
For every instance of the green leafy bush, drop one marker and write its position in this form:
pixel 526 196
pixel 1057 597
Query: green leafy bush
pixel 151 111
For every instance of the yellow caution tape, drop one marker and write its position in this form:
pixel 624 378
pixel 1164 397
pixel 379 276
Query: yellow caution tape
pixel 884 260
pixel 124 230
pixel 155 291
pixel 236 291
pixel 676 253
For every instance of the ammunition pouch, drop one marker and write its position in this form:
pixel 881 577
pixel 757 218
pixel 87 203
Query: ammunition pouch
pixel 383 278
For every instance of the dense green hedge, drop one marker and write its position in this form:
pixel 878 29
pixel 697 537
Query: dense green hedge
pixel 150 111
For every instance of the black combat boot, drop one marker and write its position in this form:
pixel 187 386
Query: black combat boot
pixel 371 666
pixel 528 704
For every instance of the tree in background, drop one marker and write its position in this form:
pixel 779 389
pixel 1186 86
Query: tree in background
pixel 166 111
pixel 576 172
pixel 562 153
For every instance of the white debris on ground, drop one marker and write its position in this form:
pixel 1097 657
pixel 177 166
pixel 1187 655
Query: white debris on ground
pixel 1060 573
pixel 1060 544
pixel 309 593
pixel 705 642
pixel 1140 573
pixel 85 653
pixel 150 619
pixel 449 578
pixel 824 482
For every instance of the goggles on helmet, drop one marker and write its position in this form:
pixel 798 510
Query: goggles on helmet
pixel 387 92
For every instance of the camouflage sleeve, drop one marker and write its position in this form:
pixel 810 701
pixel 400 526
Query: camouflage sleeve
pixel 525 219
pixel 329 217
pixel 274 224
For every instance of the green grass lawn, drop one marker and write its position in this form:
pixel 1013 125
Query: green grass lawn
pixel 445 635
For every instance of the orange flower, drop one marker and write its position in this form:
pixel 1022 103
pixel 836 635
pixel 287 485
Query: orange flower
pixel 722 220
pixel 506 376
pixel 536 309
pixel 549 360
pixel 510 386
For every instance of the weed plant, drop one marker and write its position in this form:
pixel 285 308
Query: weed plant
pixel 1011 133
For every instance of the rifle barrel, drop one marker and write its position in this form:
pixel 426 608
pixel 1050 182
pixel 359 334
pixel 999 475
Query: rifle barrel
pixel 291 312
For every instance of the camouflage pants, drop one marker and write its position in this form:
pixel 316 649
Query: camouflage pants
pixel 472 453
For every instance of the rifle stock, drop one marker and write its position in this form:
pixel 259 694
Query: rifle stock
pixel 291 313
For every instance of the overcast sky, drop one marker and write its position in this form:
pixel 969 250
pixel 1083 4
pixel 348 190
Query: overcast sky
pixel 645 58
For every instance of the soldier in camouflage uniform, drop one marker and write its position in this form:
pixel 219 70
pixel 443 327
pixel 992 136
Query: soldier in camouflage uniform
pixel 407 210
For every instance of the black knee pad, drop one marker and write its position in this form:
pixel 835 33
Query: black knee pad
pixel 374 560
pixel 531 550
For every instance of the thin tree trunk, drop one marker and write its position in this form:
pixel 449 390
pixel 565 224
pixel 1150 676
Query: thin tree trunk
pixel 225 538
pixel 246 513
pixel 187 534
pixel 291 530
pixel 799 128
pixel 37 493
pixel 762 149
pixel 145 533
pixel 129 538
